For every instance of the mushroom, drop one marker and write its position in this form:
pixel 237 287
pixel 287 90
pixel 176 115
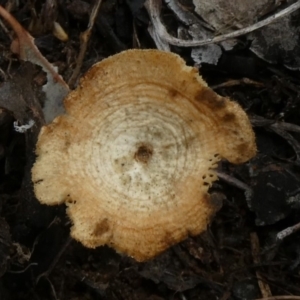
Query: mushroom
pixel 136 152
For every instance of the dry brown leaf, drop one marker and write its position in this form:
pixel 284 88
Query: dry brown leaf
pixel 56 89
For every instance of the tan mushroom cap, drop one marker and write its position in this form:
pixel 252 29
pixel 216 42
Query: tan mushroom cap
pixel 135 154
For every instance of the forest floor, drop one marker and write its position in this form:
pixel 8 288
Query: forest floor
pixel 239 257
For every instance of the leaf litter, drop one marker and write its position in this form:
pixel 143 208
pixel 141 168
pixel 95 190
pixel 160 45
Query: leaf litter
pixel 220 264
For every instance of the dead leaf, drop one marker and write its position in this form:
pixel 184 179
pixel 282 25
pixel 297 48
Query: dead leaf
pixel 17 95
pixel 225 16
pixel 279 42
pixel 56 89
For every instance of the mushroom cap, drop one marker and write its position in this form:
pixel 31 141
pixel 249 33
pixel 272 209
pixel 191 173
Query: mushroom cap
pixel 135 153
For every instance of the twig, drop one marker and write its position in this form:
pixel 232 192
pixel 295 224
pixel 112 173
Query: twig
pixel 4 28
pixel 135 39
pixel 182 296
pixel 289 138
pixel 234 82
pixel 259 121
pixel 255 249
pixel 287 231
pixel 24 270
pixel 289 127
pixel 84 38
pixel 160 43
pixel 2 74
pixel 234 181
pixel 153 6
pixel 281 129
pixel 52 288
pixel 248 192
pixel 55 260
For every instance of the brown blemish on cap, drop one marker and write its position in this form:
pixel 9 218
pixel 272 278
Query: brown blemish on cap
pixel 210 98
pixel 173 92
pixel 101 228
pixel 229 117
pixel 143 153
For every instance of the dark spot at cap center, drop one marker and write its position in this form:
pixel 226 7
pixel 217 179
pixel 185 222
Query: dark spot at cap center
pixel 143 153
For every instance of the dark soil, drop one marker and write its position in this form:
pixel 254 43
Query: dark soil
pixel 239 256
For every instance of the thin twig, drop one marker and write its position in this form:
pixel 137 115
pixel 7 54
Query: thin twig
pixel 289 127
pixel 239 184
pixel 135 39
pixel 235 182
pixel 160 43
pixel 234 82
pixel 287 231
pixel 52 288
pixel 289 138
pixel 153 8
pixel 255 249
pixel 84 38
pixel 259 121
pixel 281 129
pixel 24 270
pixel 4 28
pixel 55 260
pixel 2 74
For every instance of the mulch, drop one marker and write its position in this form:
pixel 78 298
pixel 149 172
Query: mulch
pixel 240 256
